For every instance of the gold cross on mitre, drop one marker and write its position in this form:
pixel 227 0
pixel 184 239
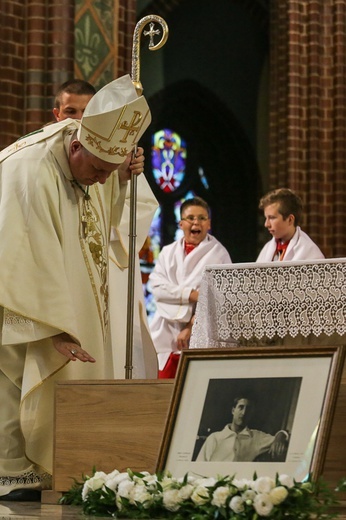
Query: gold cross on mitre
pixel 132 127
pixel 114 121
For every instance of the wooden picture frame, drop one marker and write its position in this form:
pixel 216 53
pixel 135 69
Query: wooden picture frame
pixel 294 389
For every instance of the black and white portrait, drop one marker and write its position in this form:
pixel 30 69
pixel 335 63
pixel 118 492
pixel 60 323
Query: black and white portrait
pixel 247 420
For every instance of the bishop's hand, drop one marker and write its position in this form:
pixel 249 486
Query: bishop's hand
pixel 133 165
pixel 64 344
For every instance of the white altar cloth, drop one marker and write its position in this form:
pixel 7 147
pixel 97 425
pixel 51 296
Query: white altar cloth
pixel 263 302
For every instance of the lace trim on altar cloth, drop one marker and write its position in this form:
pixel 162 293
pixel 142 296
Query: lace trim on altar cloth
pixel 245 301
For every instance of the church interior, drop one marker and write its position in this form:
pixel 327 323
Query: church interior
pixel 250 96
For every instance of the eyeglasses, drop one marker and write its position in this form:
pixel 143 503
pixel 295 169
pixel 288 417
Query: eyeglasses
pixel 192 218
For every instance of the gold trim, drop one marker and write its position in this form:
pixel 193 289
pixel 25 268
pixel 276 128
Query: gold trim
pixel 26 396
pixel 92 137
pixel 82 242
pixel 113 150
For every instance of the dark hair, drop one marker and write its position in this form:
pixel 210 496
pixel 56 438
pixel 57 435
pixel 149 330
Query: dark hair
pixel 243 396
pixel 289 203
pixel 74 86
pixel 194 201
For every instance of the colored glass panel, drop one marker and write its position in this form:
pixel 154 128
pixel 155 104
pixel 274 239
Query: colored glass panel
pixel 168 159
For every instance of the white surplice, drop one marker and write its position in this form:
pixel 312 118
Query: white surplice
pixel 300 247
pixel 174 277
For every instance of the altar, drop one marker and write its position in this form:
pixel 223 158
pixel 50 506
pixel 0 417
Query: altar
pixel 279 303
pixel 120 424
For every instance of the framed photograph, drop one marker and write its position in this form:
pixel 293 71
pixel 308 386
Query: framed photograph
pixel 239 411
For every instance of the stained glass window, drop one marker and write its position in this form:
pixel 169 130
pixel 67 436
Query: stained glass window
pixel 168 156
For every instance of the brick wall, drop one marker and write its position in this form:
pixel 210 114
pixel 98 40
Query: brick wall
pixel 307 113
pixel 37 53
pixel 12 58
pixel 127 22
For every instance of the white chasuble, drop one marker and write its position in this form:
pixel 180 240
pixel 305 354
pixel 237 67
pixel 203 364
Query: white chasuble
pixel 54 275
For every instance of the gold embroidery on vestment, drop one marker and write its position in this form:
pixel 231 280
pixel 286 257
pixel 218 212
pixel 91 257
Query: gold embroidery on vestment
pixel 94 242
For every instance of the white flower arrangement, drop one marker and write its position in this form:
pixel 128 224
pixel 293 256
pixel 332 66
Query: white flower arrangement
pixel 144 496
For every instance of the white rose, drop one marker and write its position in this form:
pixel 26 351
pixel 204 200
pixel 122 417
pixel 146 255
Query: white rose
pixel 97 481
pixel 278 495
pixel 241 484
pixel 237 504
pixel 151 481
pixel 287 481
pixel 263 505
pixel 124 488
pixel 144 475
pixel 139 493
pixel 112 474
pixel 200 495
pixel 112 480
pixel 171 499
pixel 248 496
pixel 185 492
pixel 205 482
pixel 191 479
pixel 220 496
pixel 167 482
pixel 120 477
pixel 111 484
pixel 263 485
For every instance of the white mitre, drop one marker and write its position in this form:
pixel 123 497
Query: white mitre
pixel 114 120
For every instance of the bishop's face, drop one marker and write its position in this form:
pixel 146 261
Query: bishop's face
pixel 195 223
pixel 87 169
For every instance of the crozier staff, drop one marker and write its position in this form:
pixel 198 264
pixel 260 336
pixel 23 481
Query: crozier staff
pixel 135 72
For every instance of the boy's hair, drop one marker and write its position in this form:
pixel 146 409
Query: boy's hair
pixel 74 86
pixel 289 203
pixel 194 201
pixel 244 395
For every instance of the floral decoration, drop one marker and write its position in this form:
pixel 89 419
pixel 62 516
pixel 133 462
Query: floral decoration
pixel 143 496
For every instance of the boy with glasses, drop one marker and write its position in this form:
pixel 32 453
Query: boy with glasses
pixel 175 283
